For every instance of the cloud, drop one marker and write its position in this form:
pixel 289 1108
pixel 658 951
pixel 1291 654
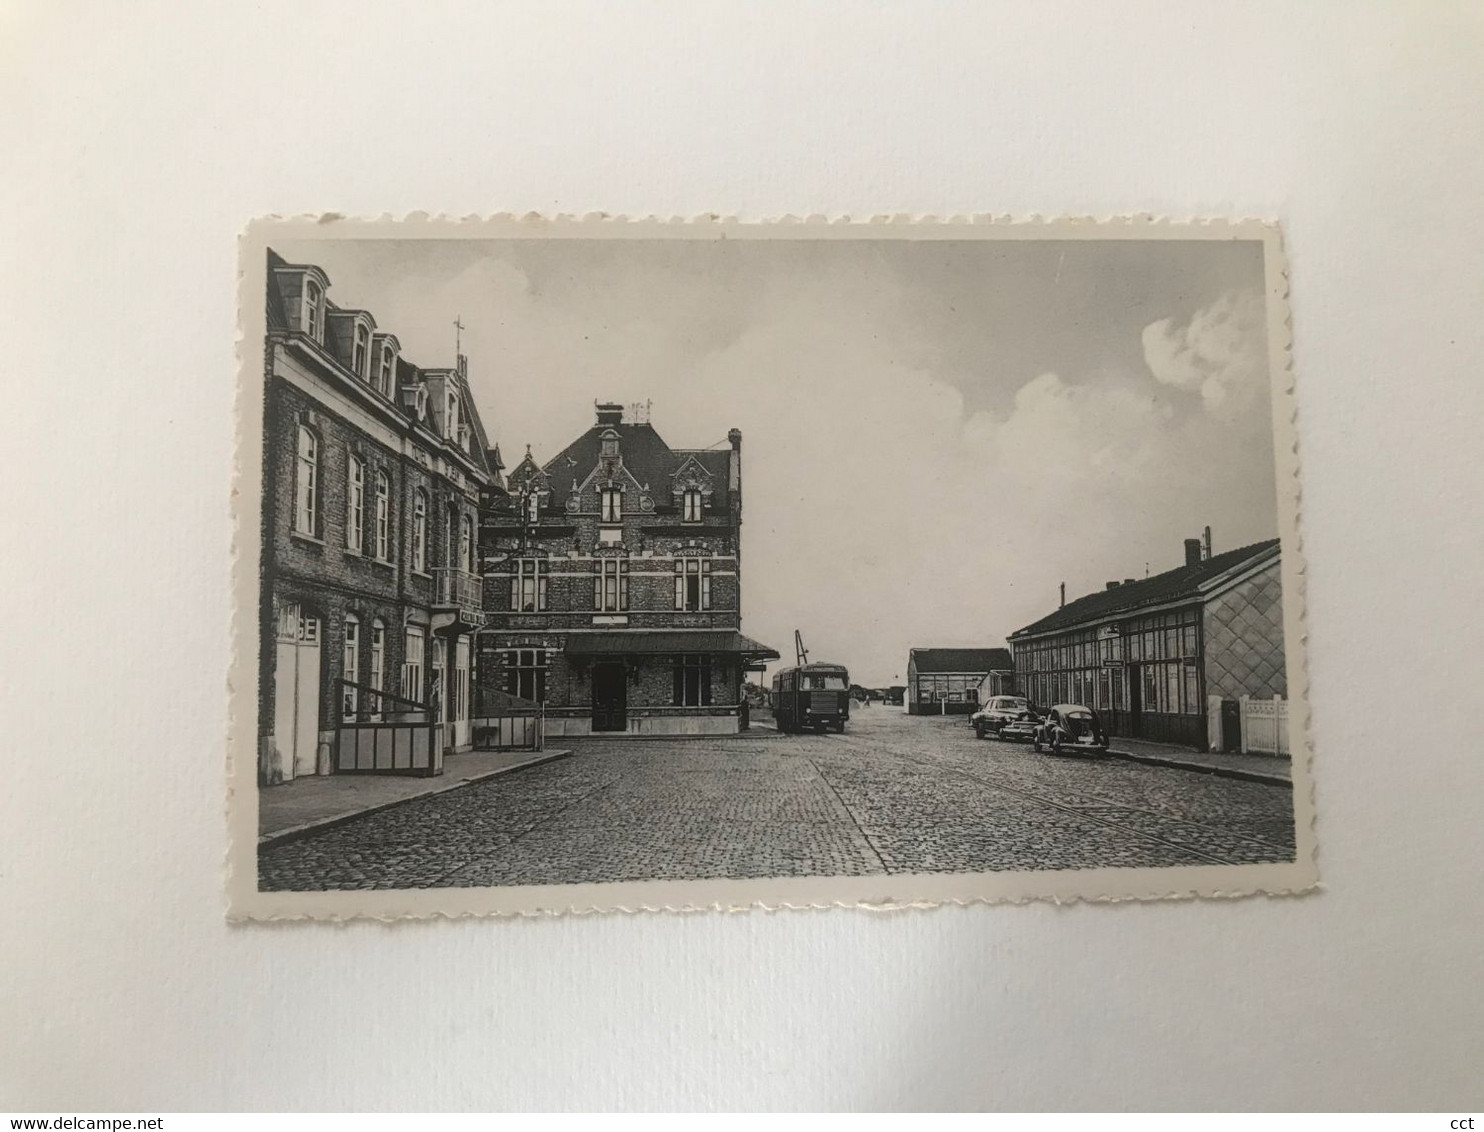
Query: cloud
pixel 1219 352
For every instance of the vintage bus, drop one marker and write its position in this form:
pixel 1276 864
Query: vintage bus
pixel 811 697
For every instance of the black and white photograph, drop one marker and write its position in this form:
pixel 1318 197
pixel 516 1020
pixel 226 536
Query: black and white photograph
pixel 632 560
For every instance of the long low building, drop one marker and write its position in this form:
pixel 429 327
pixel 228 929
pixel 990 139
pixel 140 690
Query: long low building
pixel 1166 658
pixel 951 681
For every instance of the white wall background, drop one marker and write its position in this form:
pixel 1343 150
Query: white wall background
pixel 138 138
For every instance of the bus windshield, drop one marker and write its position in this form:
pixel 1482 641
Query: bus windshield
pixel 819 681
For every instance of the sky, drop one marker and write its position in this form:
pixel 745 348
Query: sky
pixel 936 434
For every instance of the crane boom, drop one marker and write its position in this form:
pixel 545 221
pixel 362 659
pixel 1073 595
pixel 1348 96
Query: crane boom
pixel 800 652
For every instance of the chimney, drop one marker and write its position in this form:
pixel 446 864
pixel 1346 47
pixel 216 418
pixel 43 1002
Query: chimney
pixel 1063 595
pixel 1208 543
pixel 1128 581
pixel 734 462
pixel 610 415
pixel 1192 552
pixel 1114 585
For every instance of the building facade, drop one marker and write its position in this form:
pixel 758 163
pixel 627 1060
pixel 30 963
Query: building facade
pixel 952 681
pixel 1165 658
pixel 613 585
pixel 373 469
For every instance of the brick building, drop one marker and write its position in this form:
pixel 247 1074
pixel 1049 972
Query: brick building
pixel 613 588
pixel 952 681
pixel 372 473
pixel 1160 656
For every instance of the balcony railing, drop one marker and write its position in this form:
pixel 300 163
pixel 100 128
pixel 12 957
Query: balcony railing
pixel 461 591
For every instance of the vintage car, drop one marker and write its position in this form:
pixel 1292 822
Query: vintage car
pixel 998 711
pixel 1070 727
pixel 1022 730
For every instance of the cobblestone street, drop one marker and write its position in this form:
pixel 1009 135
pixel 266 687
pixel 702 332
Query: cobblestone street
pixel 895 794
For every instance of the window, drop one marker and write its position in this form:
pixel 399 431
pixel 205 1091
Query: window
pixel 610 444
pixel 692 681
pixel 612 499
pixel 351 666
pixel 611 585
pixel 360 352
pixel 420 531
pixel 306 511
pixel 378 664
pixel 412 665
pixel 692 509
pixel 313 307
pixel 383 517
pixel 692 584
pixel 528 585
pixel 466 544
pixel 525 673
pixel 451 415
pixel 355 506
pixel 533 506
pixel 385 369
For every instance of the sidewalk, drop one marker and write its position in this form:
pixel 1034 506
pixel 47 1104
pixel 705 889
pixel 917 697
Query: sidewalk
pixel 309 804
pixel 1271 769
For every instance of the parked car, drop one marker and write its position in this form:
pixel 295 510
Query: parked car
pixel 998 711
pixel 1069 727
pixel 1021 730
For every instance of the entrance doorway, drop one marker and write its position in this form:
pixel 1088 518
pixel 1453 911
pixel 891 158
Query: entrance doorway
pixel 296 692
pixel 610 697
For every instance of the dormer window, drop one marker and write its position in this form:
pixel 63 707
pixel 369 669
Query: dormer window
pixel 533 506
pixel 451 416
pixel 361 350
pixel 612 504
pixel 386 366
pixel 314 309
pixel 691 510
pixel 610 444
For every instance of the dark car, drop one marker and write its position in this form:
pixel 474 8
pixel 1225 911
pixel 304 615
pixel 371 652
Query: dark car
pixel 1071 727
pixel 998 711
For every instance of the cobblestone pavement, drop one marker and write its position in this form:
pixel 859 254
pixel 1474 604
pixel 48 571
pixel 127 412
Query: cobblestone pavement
pixel 893 794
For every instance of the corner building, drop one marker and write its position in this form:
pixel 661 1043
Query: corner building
pixel 613 585
pixel 373 469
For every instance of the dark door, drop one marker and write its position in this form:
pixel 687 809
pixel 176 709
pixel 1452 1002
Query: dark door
pixel 1135 699
pixel 1231 725
pixel 610 698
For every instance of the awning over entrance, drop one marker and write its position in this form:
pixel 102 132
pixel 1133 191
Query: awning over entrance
pixel 638 641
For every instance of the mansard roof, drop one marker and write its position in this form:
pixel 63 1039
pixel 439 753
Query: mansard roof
pixel 645 456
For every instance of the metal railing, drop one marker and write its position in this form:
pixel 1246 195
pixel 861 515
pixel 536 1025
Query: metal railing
pixel 387 734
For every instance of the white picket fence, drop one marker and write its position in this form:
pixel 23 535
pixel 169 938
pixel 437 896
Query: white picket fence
pixel 1264 726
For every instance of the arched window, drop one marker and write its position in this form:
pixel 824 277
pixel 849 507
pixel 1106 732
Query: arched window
pixel 362 347
pixel 420 531
pixel 466 544
pixel 314 299
pixel 351 669
pixel 383 517
pixel 355 505
pixel 306 485
pixel 378 663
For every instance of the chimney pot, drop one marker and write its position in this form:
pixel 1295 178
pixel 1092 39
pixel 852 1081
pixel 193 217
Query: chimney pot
pixel 735 438
pixel 1192 552
pixel 1063 594
pixel 1114 585
pixel 1207 547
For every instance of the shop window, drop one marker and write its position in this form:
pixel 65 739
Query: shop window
pixel 693 681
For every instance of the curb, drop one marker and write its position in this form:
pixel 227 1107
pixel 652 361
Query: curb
pixel 307 829
pixel 1217 771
